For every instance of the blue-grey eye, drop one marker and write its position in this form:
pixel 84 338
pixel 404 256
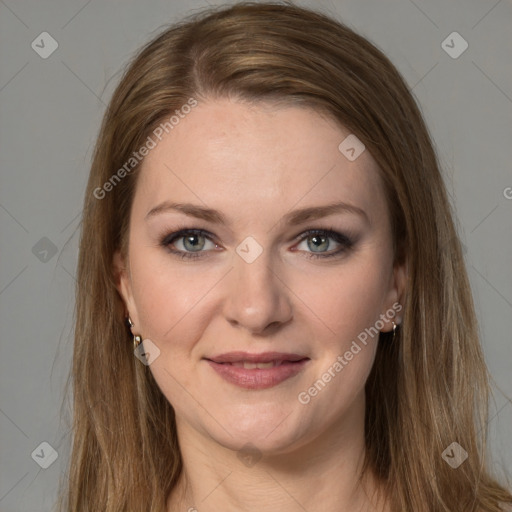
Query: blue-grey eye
pixel 188 241
pixel 193 242
pixel 319 243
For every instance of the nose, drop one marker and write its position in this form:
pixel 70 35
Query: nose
pixel 257 298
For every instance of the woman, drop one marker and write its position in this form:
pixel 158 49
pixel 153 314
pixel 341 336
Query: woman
pixel 265 218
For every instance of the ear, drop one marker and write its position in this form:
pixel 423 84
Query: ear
pixel 123 283
pixel 396 297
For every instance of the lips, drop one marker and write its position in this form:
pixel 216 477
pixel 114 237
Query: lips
pixel 251 366
pixel 239 358
pixel 257 371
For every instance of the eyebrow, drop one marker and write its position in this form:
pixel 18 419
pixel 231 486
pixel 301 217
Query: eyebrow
pixel 292 218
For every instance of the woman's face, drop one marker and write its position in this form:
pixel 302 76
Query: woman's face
pixel 249 278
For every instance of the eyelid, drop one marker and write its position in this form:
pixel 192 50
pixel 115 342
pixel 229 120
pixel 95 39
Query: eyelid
pixel 329 232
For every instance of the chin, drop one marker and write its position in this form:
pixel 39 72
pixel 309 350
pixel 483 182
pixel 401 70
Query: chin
pixel 269 433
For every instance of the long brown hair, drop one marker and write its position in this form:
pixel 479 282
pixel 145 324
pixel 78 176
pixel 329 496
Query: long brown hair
pixel 428 389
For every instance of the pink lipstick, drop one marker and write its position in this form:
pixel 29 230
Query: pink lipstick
pixel 257 371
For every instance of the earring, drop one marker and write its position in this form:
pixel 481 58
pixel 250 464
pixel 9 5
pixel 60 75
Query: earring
pixel 394 331
pixel 137 339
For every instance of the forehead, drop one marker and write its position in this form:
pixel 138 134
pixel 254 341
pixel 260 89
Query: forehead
pixel 257 157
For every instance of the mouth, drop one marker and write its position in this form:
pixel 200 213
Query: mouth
pixel 248 365
pixel 274 358
pixel 257 371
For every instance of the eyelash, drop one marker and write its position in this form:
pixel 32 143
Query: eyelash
pixel 345 242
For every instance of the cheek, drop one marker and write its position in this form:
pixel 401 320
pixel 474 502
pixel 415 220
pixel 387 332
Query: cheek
pixel 167 294
pixel 344 301
pixel 345 306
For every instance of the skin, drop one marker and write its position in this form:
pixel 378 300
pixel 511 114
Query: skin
pixel 256 163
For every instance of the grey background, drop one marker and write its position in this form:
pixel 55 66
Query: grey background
pixel 50 112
